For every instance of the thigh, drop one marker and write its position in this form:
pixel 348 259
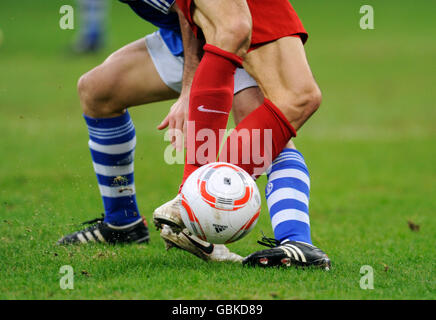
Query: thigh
pixel 218 12
pixel 130 77
pixel 222 23
pixel 281 70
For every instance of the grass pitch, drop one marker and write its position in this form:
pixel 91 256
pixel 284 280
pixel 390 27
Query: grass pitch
pixel 371 151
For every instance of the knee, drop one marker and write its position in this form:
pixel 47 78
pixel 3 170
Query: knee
pixel 84 91
pixel 309 101
pixel 95 93
pixel 298 106
pixel 227 27
pixel 234 36
pixel 238 35
pixel 89 94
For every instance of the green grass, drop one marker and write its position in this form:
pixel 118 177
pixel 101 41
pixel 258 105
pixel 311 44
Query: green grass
pixel 371 151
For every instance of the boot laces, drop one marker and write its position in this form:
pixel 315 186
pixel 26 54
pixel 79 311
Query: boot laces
pixel 94 220
pixel 268 242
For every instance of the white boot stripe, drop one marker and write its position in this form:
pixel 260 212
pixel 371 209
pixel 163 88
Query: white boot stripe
pixel 303 258
pixel 287 252
pixel 89 236
pixel 81 238
pixel 98 235
pixel 290 252
pixel 294 253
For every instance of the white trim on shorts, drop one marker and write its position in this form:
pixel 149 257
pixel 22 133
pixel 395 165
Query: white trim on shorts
pixel 170 67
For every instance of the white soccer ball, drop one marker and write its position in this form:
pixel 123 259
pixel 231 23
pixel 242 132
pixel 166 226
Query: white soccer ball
pixel 220 203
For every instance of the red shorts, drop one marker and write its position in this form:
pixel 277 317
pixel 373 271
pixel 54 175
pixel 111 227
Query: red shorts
pixel 272 20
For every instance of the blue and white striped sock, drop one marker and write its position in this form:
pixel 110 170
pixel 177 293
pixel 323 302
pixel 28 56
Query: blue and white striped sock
pixel 287 194
pixel 112 143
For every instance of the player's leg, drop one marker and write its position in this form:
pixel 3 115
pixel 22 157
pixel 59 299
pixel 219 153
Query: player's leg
pixel 247 94
pixel 271 20
pixel 127 78
pixel 282 71
pixel 287 194
pixel 227 29
pixel 286 173
pixel 294 108
pixel 225 24
pixel 288 185
pixel 268 117
pixel 284 76
pixel 119 82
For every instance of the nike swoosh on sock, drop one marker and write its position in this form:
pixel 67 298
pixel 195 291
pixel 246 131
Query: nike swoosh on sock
pixel 203 109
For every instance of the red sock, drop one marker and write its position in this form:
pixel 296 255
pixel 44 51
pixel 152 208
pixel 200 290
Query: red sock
pixel 258 139
pixel 210 102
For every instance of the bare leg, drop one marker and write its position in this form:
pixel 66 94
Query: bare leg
pixel 126 78
pixel 284 76
pixel 280 67
pixel 225 24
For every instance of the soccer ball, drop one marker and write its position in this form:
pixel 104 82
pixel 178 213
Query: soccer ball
pixel 220 203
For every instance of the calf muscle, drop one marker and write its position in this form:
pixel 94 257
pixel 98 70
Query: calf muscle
pixel 284 76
